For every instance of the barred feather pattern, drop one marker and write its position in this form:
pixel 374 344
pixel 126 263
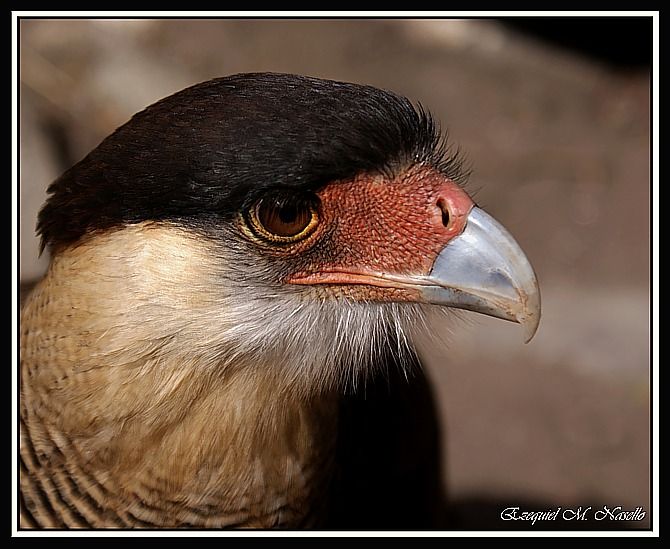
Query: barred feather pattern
pixel 162 399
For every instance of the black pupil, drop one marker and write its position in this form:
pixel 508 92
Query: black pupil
pixel 287 213
pixel 284 216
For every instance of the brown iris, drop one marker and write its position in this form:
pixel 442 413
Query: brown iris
pixel 284 218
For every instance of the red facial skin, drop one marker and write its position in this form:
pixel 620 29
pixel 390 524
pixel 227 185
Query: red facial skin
pixel 371 227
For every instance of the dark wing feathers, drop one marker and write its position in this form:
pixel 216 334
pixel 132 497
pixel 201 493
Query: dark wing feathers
pixel 389 456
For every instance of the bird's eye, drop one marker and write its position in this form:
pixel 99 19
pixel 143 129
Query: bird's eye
pixel 282 218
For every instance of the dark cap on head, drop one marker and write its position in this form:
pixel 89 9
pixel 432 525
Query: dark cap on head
pixel 211 148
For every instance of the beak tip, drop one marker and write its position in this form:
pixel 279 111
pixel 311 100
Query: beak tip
pixel 530 329
pixel 530 317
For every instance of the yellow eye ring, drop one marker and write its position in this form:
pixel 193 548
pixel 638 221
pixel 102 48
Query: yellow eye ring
pixel 283 218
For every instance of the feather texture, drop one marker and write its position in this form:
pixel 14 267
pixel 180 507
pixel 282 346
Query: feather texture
pixel 155 394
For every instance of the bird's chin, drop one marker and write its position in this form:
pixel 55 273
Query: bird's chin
pixel 359 288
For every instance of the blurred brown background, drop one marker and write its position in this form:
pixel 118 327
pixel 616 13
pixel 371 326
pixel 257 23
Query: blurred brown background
pixel 559 145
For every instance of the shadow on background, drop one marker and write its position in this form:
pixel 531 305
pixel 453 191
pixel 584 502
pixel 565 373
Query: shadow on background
pixel 623 43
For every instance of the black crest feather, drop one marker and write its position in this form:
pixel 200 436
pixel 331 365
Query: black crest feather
pixel 209 149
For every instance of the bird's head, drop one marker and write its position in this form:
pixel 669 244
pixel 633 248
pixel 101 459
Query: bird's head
pixel 278 222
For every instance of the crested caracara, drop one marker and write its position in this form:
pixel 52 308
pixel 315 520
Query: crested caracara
pixel 224 334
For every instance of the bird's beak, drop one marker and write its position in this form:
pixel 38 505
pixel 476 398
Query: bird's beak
pixel 484 270
pixel 480 269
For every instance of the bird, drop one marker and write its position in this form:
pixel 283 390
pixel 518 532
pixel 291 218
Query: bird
pixel 226 333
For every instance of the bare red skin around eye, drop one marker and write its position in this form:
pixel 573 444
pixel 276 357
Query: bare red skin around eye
pixel 377 227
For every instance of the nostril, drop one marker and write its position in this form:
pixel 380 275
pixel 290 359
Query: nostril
pixel 445 211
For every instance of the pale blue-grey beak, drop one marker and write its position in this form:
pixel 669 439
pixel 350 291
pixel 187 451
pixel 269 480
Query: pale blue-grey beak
pixel 484 270
pixel 481 269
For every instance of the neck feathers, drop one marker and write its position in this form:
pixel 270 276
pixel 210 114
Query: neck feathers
pixel 124 427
